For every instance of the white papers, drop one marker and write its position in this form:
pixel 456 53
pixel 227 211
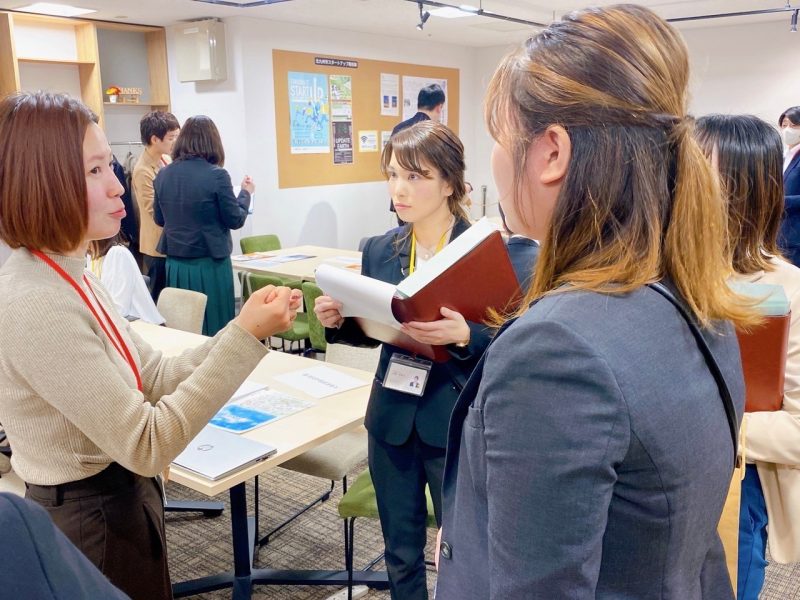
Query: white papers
pixel 390 92
pixel 360 296
pixel 321 381
pixel 248 387
pixel 448 256
pixel 368 141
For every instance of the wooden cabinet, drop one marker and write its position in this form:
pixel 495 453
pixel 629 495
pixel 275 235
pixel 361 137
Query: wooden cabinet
pixel 80 57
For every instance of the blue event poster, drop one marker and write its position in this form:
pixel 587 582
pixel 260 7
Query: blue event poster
pixel 239 419
pixel 309 111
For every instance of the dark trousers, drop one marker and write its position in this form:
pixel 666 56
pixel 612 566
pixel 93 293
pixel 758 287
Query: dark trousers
pixel 155 267
pixel 399 474
pixel 116 518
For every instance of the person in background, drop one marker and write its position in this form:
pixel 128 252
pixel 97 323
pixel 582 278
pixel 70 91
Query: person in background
pixel 196 206
pixel 579 463
pixel 430 104
pixel 789 235
pixel 158 130
pixel 114 265
pixel 424 165
pixel 747 153
pixel 93 413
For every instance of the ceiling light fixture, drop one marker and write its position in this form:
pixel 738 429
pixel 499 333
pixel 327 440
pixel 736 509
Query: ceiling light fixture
pixel 423 17
pixel 58 10
pixel 794 22
pixel 472 10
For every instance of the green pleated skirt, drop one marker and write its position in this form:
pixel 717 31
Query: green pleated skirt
pixel 211 276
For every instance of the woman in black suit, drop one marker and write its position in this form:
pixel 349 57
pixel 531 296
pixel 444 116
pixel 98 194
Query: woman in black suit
pixel 195 204
pixel 789 123
pixel 424 165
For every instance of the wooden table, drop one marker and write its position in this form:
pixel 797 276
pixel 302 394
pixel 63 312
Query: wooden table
pixel 291 436
pixel 304 269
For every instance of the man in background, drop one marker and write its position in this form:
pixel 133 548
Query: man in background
pixel 159 130
pixel 430 103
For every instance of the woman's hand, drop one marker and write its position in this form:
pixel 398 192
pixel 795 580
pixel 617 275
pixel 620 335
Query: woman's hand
pixel 248 185
pixel 328 312
pixel 451 329
pixel 268 311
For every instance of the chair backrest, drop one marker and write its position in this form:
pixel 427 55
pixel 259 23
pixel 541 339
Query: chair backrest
pixel 255 281
pixel 316 332
pixel 259 243
pixel 365 359
pixel 183 309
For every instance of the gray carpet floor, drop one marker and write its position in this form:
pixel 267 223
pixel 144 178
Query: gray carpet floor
pixel 202 546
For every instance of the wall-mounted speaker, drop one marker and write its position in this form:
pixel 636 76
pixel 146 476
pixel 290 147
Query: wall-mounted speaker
pixel 200 50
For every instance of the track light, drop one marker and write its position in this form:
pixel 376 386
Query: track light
pixel 423 17
pixel 794 22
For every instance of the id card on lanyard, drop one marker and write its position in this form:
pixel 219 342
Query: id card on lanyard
pixel 105 324
pixel 407 374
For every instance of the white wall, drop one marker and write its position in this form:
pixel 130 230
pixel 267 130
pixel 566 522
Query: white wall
pixel 243 107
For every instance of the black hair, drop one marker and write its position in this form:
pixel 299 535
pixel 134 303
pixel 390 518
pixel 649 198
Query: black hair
pixel 793 114
pixel 430 97
pixel 157 123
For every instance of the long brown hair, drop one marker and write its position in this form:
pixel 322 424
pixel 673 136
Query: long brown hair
pixel 43 196
pixel 436 146
pixel 639 201
pixel 749 156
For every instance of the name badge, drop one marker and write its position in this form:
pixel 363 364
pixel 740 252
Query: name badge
pixel 407 374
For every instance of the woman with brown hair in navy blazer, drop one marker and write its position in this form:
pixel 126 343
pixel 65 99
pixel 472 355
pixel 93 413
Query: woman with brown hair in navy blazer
pixel 424 165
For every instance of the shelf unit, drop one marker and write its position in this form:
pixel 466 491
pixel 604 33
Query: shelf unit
pixel 63 44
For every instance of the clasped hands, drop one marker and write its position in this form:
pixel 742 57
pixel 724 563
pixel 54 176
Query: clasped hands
pixel 269 310
pixel 452 328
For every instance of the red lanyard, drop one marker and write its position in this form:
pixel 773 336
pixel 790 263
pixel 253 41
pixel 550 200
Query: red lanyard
pixel 116 340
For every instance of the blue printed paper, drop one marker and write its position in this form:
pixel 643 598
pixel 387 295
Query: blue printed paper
pixel 239 419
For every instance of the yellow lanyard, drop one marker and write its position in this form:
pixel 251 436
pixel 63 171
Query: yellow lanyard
pixel 413 263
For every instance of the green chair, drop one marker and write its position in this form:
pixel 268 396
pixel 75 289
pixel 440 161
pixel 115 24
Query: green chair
pixel 299 331
pixel 267 243
pixel 316 332
pixel 359 502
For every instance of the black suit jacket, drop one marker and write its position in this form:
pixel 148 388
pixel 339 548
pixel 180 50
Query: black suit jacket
pixel 789 237
pixel 420 116
pixel 391 415
pixel 195 205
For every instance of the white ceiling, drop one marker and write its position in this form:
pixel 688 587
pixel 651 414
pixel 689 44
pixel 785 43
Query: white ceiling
pixel 398 18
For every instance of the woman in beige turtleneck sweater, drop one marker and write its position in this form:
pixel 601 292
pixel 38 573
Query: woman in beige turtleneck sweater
pixel 92 412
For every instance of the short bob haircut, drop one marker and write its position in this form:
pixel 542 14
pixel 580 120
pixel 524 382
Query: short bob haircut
pixel 793 114
pixel 749 156
pixel 199 138
pixel 43 191
pixel 430 145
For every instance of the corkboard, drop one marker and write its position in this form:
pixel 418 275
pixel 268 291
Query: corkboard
pixel 302 170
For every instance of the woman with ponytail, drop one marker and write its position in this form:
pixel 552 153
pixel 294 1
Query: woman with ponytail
pixel 591 452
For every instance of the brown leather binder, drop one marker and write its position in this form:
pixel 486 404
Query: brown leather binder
pixel 763 352
pixel 481 279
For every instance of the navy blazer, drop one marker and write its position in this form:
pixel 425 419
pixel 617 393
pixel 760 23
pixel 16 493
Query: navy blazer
pixel 580 463
pixel 789 237
pixel 523 252
pixel 194 203
pixel 40 562
pixel 392 414
pixel 420 116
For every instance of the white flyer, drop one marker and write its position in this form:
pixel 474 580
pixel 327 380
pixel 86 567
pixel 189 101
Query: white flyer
pixel 321 381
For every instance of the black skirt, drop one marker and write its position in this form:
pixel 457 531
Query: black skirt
pixel 116 518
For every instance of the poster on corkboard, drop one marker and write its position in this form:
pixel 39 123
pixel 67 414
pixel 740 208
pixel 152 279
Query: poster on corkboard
pixel 323 102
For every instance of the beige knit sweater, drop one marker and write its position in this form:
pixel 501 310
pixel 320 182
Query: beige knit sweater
pixel 68 400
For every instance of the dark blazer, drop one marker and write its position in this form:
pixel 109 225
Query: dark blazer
pixel 40 562
pixel 789 237
pixel 195 205
pixel 589 457
pixel 524 252
pixel 392 414
pixel 420 116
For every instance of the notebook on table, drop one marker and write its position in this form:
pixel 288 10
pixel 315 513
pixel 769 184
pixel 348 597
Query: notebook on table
pixel 215 453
